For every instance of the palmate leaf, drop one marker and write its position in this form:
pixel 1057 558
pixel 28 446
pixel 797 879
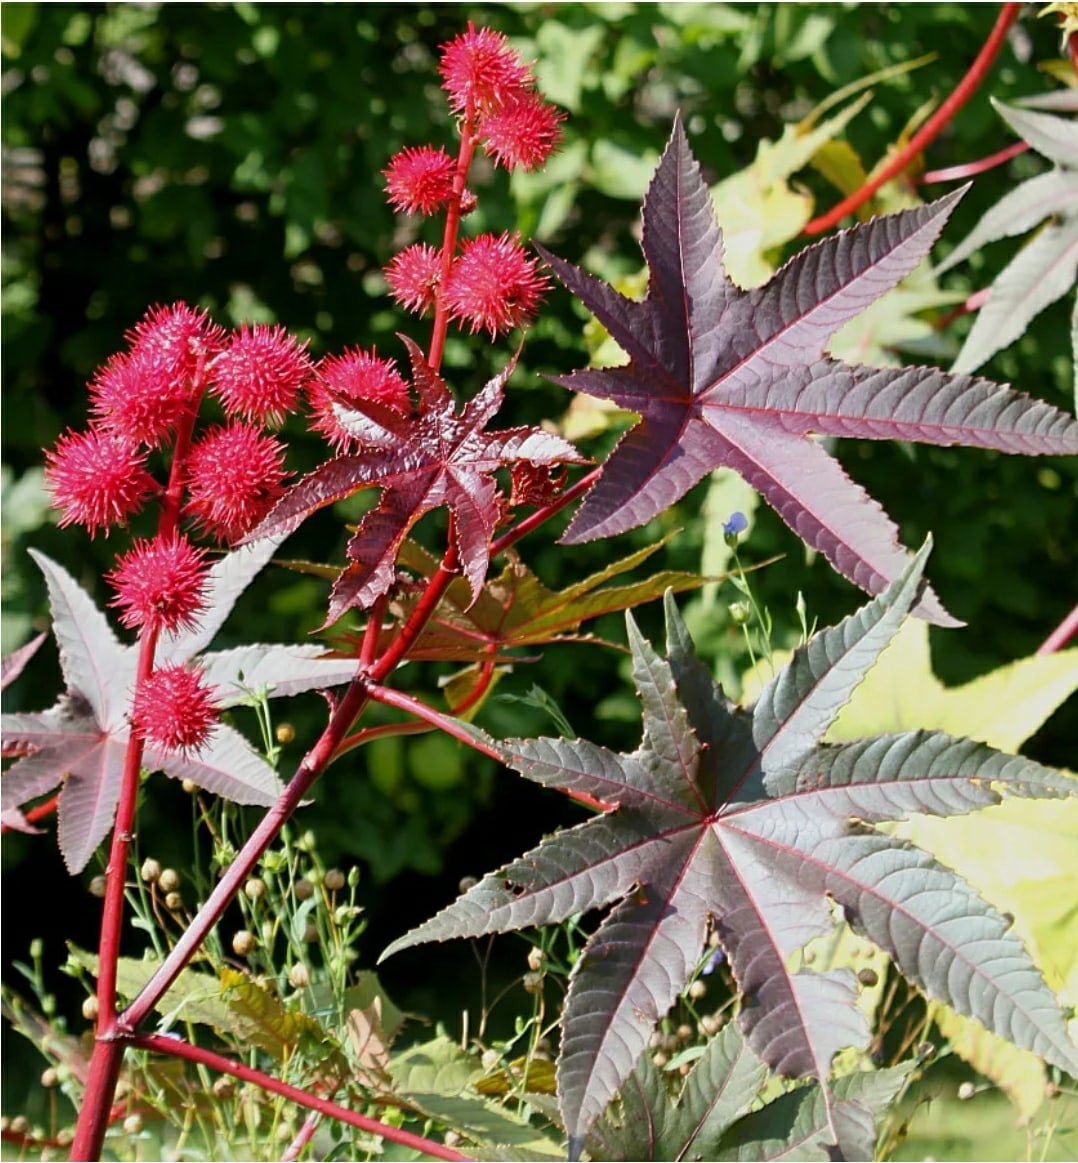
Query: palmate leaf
pixel 80 743
pixel 515 609
pixel 436 456
pixel 722 376
pixel 744 821
pixel 1044 269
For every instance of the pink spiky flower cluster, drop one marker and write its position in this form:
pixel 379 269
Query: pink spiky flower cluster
pixel 489 283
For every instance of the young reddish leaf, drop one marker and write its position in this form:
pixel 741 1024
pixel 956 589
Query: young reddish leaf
pixel 744 821
pixel 437 456
pixel 515 609
pixel 721 376
pixel 80 743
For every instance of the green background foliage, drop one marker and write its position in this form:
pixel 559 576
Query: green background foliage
pixel 230 155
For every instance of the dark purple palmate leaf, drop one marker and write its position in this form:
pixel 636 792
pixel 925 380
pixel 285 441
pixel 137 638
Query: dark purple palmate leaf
pixel 80 743
pixel 436 456
pixel 722 376
pixel 742 820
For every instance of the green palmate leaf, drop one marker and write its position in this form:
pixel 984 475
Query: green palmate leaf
pixel 260 1018
pixel 743 821
pixel 438 1079
pixel 795 1126
pixel 649 1123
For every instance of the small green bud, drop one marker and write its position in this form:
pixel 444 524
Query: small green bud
pixel 353 876
pixel 740 613
pixel 334 880
pixel 169 880
pixel 254 889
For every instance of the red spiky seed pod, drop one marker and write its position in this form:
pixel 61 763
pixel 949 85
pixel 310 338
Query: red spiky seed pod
pixel 494 285
pixel 522 133
pixel 354 377
pixel 174 709
pixel 160 584
pixel 259 374
pixel 420 180
pixel 136 395
pixel 234 476
pixel 178 337
pixel 480 71
pixel 97 478
pixel 413 277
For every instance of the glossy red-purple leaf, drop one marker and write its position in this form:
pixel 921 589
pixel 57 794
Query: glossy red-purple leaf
pixel 436 457
pixel 721 376
pixel 741 821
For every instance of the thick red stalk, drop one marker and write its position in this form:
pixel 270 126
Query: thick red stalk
pixel 104 1070
pixel 180 1049
pixel 449 239
pixel 972 169
pixel 931 128
pixel 45 808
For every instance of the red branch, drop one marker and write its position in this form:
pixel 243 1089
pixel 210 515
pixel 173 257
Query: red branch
pixel 1061 635
pixel 180 1049
pixel 972 169
pixel 931 128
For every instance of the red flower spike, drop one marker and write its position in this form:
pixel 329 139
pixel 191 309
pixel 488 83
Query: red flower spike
pixel 160 584
pixel 481 72
pixel 420 181
pixel 177 337
pixel 259 374
pixel 174 709
pixel 353 378
pixel 523 133
pixel 494 285
pixel 137 396
pixel 97 478
pixel 413 277
pixel 234 476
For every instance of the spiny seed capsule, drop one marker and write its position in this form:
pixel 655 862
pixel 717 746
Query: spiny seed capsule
pixel 97 886
pixel 335 880
pixel 169 880
pixel 868 977
pixel 50 1078
pixel 150 871
pixel 173 901
pixel 285 732
pixel 299 976
pixel 255 888
pixel 89 1008
pixel 697 990
pixel 536 957
pixel 243 942
pixel 533 982
pixel 133 1124
pixel 303 889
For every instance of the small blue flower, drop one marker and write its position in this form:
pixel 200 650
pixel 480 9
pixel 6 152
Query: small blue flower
pixel 733 528
pixel 716 958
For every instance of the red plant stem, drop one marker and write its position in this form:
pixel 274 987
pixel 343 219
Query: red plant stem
pixel 974 303
pixel 314 762
pixel 540 516
pixel 1061 635
pixel 371 632
pixel 449 239
pixel 482 685
pixel 972 169
pixel 303 1136
pixel 46 808
pixel 931 128
pixel 180 1049
pixel 404 702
